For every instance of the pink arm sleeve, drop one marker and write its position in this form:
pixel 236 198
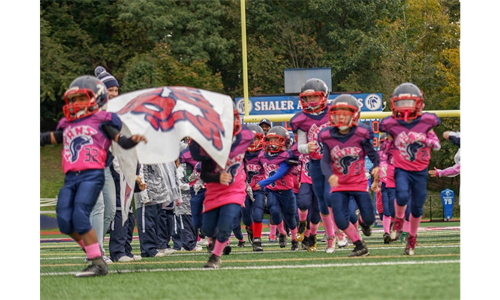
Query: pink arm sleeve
pixel 449 172
pixel 432 141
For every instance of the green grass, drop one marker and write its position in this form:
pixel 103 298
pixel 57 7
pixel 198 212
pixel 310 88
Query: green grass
pixel 433 273
pixel 51 173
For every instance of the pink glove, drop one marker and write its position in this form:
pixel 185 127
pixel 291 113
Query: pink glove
pixel 414 137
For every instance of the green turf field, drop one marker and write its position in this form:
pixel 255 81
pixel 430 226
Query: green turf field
pixel 433 273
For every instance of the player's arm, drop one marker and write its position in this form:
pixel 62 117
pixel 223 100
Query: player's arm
pixel 448 172
pixel 283 168
pixel 51 137
pixel 206 172
pixel 302 145
pixel 112 133
pixel 374 158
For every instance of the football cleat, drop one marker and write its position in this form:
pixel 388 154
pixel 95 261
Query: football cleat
pixel 367 230
pixel 312 247
pixel 387 238
pixel 301 229
pixel 295 245
pixel 360 249
pixel 341 239
pixel 305 243
pixel 211 246
pixel 396 228
pixel 410 245
pixel 249 235
pixel 272 239
pixel 227 250
pixel 257 244
pixel 241 244
pixel 282 240
pixel 213 262
pixel 96 267
pixel 330 246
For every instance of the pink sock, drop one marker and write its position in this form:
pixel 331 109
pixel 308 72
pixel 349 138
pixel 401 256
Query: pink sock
pixel 307 232
pixel 198 239
pixel 293 233
pixel 352 233
pixel 406 226
pixel 281 228
pixel 219 247
pixel 328 223
pixel 314 228
pixel 387 223
pixel 400 210
pixel 80 242
pixel 302 215
pixel 93 250
pixel 335 228
pixel 272 231
pixel 356 225
pixel 414 222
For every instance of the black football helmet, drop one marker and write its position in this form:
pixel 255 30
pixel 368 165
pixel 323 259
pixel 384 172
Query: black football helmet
pixel 407 102
pixel 344 111
pixel 282 141
pixel 93 89
pixel 316 87
pixel 259 133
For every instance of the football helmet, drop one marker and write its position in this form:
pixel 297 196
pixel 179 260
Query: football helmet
pixel 344 112
pixel 93 89
pixel 281 142
pixel 407 102
pixel 236 120
pixel 257 130
pixel 311 87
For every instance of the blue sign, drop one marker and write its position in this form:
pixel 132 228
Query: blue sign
pixel 447 198
pixel 283 104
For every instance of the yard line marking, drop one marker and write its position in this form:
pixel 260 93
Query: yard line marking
pixel 156 262
pixel 61 255
pixel 275 267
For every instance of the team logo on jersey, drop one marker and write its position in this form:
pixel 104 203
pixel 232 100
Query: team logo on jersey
pixel 232 166
pixel 252 170
pixel 343 158
pixel 163 107
pixel 75 139
pixel 408 150
pixel 312 135
pixel 270 170
pixel 305 164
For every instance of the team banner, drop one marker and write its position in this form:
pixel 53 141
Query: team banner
pixel 165 115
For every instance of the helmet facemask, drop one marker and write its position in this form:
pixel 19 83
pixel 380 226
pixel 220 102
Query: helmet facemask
pixel 76 110
pixel 313 107
pixel 343 116
pixel 256 145
pixel 275 145
pixel 407 102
